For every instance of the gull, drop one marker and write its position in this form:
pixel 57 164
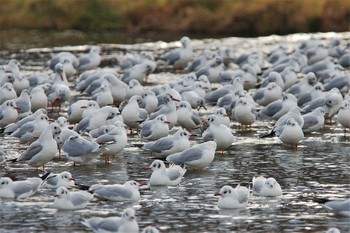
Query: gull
pixel 278 108
pixel 306 97
pixel 342 82
pixel 117 86
pixel 91 60
pixel 217 132
pixel 30 131
pixel 291 133
pixel 132 114
pixel 149 101
pixel 20 83
pixel 80 150
pixel 169 145
pixel 186 117
pixel 152 130
pixel 344 114
pixel 60 57
pixel 138 72
pixel 179 57
pixel 7 92
pixel 235 85
pixel 306 84
pixel 338 207
pixel 161 175
pixel 222 115
pixel 97 119
pixel 95 133
pixel 233 198
pixel 266 187
pixel 212 69
pixel 113 142
pixel 134 88
pixel 196 100
pixel 14 126
pixel 314 120
pixel 42 150
pixel 63 179
pixel 13 67
pixel 38 97
pixel 274 77
pixel 195 157
pixel 8 113
pixel 295 113
pixel 126 224
pixel 76 110
pixel 89 108
pixel 168 109
pixel 129 191
pixel 245 113
pixel 71 200
pixel 104 96
pixel 150 229
pixel 268 94
pixel 289 77
pixel 20 189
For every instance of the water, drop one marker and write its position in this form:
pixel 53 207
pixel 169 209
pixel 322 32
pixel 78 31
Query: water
pixel 319 167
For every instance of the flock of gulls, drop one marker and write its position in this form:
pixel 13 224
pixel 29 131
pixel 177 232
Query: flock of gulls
pixel 300 90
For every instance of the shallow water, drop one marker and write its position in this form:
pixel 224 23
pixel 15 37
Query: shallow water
pixel 318 167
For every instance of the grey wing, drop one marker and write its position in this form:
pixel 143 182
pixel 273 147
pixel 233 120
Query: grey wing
pixel 294 90
pixel 257 187
pixel 52 180
pixel 78 199
pixel 27 128
pixel 106 138
pixel 242 197
pixel 259 94
pixel 82 125
pixel 23 106
pixel 1 115
pixel 172 56
pixel 304 98
pixel 21 187
pixel 188 155
pixel 109 225
pixel 32 150
pixel 173 174
pixel 143 114
pixel 309 121
pixel 114 191
pixel 315 104
pixel 159 146
pixel 146 130
pixel 215 95
pixel 83 61
pixel 272 109
pixel 338 83
pixel 126 76
pixel 76 148
pixel 338 206
pixel 195 118
pixel 208 137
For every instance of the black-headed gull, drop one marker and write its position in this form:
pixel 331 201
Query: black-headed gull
pixel 13 127
pixel 313 121
pixel 42 150
pixel 268 94
pixel 195 157
pixel 138 72
pixel 80 150
pixel 245 113
pixel 306 84
pixel 233 198
pixel 38 97
pixel 169 144
pixel 161 175
pixel 149 101
pixel 91 60
pixel 218 133
pixel 8 113
pixel 129 191
pixel 154 129
pixel 24 104
pixel 30 131
pixel 266 187
pixel 187 117
pixel 64 179
pixel 278 108
pixel 291 133
pixel 344 114
pixel 150 229
pixel 125 224
pixel 71 200
pixel 7 92
pixel 22 188
pixel 339 207
pixel 168 109
pixel 179 57
pixel 132 114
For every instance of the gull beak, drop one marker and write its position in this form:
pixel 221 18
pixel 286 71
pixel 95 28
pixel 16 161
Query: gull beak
pixel 217 194
pixel 72 178
pixel 56 195
pixel 83 106
pixel 148 168
pixel 167 122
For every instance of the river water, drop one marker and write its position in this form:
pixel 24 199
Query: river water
pixel 319 167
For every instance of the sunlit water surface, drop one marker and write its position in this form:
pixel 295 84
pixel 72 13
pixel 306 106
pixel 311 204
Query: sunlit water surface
pixel 318 167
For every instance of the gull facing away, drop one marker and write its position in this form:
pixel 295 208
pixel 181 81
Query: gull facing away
pixel 195 157
pixel 126 224
pixel 129 191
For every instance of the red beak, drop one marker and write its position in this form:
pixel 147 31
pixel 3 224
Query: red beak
pixel 83 107
pixel 148 168
pixel 167 122
pixel 217 194
pixel 72 178
pixel 56 195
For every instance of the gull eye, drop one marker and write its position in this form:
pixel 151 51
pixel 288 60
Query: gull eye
pixel 225 192
pixel 159 165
